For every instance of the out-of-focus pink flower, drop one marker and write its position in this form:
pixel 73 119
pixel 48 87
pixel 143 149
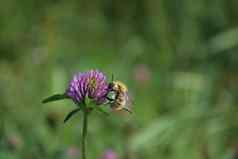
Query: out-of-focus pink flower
pixel 72 152
pixel 110 154
pixel 142 74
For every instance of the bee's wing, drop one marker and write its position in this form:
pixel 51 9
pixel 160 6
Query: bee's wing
pixel 129 99
pixel 129 102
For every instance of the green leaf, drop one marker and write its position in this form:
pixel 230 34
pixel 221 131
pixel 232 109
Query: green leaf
pixel 55 97
pixel 71 114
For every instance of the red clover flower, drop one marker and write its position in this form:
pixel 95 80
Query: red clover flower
pixel 88 90
pixel 90 84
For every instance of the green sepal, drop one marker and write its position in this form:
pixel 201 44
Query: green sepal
pixel 99 109
pixel 70 114
pixel 87 101
pixel 81 105
pixel 54 98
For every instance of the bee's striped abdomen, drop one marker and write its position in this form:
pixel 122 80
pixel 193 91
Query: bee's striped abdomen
pixel 119 102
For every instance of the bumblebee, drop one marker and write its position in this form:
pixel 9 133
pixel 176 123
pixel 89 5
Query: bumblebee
pixel 118 96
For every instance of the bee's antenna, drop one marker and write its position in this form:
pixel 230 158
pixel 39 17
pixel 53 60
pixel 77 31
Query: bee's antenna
pixel 112 77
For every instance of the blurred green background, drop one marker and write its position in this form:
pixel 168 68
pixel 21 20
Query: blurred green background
pixel 179 59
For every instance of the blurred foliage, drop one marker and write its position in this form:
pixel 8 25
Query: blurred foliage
pixel 179 59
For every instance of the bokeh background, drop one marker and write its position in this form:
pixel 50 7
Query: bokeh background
pixel 179 59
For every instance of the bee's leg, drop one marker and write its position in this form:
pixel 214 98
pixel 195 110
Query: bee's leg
pixel 110 99
pixel 128 110
pixel 107 102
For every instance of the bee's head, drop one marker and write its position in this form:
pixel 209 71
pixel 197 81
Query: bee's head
pixel 113 86
pixel 118 86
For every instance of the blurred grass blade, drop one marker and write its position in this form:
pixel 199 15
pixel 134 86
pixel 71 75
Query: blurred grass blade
pixel 159 129
pixel 55 97
pixel 224 41
pixel 71 114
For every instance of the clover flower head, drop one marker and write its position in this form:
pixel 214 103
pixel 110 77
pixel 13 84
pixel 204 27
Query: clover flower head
pixel 91 84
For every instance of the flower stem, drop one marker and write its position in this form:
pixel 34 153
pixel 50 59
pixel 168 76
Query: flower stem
pixel 84 133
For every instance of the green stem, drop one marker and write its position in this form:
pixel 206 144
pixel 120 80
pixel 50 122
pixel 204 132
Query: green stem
pixel 84 133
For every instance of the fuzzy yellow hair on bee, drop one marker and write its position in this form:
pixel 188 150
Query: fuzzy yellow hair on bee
pixel 119 86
